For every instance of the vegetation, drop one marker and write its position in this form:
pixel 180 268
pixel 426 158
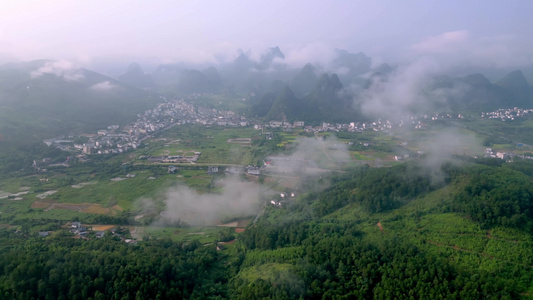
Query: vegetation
pixel 459 230
pixel 415 248
pixel 66 268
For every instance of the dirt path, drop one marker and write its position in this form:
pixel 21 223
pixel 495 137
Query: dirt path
pixel 136 232
pixel 380 226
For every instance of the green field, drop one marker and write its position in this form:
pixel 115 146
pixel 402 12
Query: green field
pixel 211 142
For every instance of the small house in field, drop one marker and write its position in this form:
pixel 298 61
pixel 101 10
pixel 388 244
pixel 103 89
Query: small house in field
pixel 75 225
pixel 212 170
pixel 256 171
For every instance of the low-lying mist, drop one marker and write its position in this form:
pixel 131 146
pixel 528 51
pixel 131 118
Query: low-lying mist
pixel 184 205
pixel 238 198
pixel 442 146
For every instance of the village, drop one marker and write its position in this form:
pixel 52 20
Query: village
pixel 169 113
pixel 175 112
pixel 508 114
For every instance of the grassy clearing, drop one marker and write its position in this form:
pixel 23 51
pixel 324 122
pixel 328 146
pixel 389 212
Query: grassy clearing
pixel 269 272
pixel 359 155
pixel 212 142
pixel 221 102
pixel 204 235
pixel 109 193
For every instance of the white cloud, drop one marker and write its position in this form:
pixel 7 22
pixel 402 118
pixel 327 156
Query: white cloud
pixel 315 53
pixel 62 68
pixel 185 205
pixel 462 47
pixel 401 90
pixel 448 42
pixel 103 86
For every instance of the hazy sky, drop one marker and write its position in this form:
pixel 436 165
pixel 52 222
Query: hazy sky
pixel 195 30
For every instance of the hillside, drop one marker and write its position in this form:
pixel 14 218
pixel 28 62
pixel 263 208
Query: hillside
pixel 43 99
pixel 460 231
pixel 396 233
pixel 136 77
pixel 46 98
pixel 324 102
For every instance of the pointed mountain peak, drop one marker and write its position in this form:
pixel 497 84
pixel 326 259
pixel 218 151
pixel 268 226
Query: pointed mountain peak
pixel 276 52
pixel 304 81
pixel 307 68
pixel 477 79
pixel 135 68
pixel 515 79
pixel 327 82
pixel 135 76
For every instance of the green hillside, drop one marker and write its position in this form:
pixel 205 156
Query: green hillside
pixel 45 98
pixel 464 232
pixel 393 233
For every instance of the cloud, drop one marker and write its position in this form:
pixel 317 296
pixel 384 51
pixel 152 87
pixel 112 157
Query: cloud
pixel 462 47
pixel 403 90
pixel 443 145
pixel 185 205
pixel 103 86
pixel 448 42
pixel 407 88
pixel 318 54
pixel 61 68
pixel 311 157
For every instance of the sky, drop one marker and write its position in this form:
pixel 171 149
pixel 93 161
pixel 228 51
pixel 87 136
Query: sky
pixel 484 31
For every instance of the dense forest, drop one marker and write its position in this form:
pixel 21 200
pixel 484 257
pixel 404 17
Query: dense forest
pixel 323 245
pixel 66 268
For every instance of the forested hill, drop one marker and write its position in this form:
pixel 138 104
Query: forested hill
pixel 325 102
pixel 40 99
pixel 461 232
pixel 44 99
pixel 398 232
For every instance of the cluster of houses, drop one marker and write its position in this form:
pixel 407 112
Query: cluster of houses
pixel 416 122
pixel 506 114
pixel 40 165
pixel 78 229
pixel 504 155
pixel 178 112
pixel 175 158
pixel 282 198
pixel 235 170
pixel 165 115
pixel 174 112
pixel 105 141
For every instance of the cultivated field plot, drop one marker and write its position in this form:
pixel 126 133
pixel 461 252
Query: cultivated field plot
pixel 498 132
pixel 221 102
pixel 218 145
pixel 244 142
pixel 114 195
pixel 202 234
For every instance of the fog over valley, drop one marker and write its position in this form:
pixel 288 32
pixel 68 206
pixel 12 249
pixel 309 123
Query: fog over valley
pixel 266 149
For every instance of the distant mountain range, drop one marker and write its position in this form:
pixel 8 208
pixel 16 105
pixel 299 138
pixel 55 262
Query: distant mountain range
pixel 478 93
pixel 136 77
pixel 44 98
pixel 40 99
pixel 325 101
